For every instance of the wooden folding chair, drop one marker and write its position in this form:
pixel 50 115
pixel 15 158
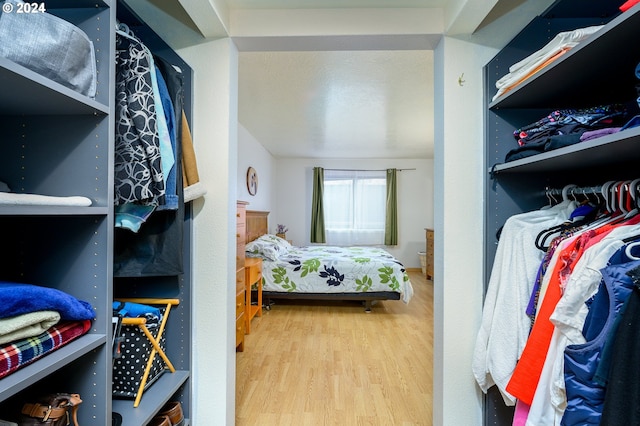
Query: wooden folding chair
pixel 155 341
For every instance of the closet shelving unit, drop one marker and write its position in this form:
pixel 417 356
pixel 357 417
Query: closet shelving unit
pixel 169 386
pixel 59 142
pixel 599 71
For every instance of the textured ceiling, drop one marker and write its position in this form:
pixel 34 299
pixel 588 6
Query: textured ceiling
pixel 342 104
pixel 338 104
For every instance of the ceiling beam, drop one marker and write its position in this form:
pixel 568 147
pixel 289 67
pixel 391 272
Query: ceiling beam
pixel 211 17
pixel 334 22
pixel 336 29
pixel 491 22
pixel 337 43
pixel 465 16
pixel 180 23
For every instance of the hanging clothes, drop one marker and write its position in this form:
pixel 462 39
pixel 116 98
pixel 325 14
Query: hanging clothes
pixel 167 141
pixel 505 325
pixel 138 169
pixel 580 291
pixel 577 294
pixel 157 248
pixel 585 398
pixel 568 317
pixel 526 375
pixel 622 397
pixel 548 262
pixel 601 376
pixel 169 146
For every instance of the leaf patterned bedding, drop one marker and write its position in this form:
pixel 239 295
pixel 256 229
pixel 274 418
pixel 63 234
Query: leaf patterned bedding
pixel 325 269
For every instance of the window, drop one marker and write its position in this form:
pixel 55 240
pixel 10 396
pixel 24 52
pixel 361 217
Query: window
pixel 354 207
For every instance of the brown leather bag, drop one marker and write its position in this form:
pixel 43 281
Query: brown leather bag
pixel 56 409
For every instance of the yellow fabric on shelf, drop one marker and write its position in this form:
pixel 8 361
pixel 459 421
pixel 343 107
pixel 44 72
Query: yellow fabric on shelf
pixel 191 180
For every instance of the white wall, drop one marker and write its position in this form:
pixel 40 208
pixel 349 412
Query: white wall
pixel 214 129
pixel 252 154
pixel 415 200
pixel 459 227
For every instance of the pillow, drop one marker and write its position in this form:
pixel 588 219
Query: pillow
pixel 268 247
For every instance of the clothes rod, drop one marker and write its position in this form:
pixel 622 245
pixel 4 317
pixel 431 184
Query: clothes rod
pixel 575 190
pixel 609 187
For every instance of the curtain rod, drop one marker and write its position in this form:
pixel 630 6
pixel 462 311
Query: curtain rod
pixel 365 170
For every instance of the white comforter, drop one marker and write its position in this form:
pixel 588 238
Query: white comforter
pixel 323 269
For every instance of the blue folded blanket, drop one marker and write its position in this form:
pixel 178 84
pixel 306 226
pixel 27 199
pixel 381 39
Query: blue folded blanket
pixel 18 298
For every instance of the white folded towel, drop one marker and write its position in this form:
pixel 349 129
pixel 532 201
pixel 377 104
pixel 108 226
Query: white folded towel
pixel 13 199
pixel 27 325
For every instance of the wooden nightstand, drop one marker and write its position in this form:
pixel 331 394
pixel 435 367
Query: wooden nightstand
pixel 253 275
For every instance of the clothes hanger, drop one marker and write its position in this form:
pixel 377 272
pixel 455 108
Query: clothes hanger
pixel 621 196
pixel 605 211
pixel 582 215
pixel 586 197
pixel 619 201
pixel 567 190
pixel 629 248
pixel 613 197
pixel 619 212
pixel 547 193
pixel 543 235
pixel 123 29
pixel 634 192
pixel 613 214
pixel 605 194
pixel 598 201
pixel 546 233
pixel 633 200
pixel 578 224
pixel 126 32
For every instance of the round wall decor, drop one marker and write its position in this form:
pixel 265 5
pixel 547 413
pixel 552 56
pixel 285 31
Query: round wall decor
pixel 252 181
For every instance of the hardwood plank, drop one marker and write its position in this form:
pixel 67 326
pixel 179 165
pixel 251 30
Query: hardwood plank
pixel 330 363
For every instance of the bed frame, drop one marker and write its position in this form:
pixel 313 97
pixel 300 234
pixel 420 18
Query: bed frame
pixel 258 225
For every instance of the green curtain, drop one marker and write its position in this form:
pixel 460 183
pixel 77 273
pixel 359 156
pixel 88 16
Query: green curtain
pixel 317 207
pixel 391 218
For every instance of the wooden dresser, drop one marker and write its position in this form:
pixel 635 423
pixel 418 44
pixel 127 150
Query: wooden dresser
pixel 253 275
pixel 241 231
pixel 429 237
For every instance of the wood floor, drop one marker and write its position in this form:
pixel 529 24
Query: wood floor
pixel 330 363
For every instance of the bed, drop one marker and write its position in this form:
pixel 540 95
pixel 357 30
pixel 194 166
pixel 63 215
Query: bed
pixel 320 272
